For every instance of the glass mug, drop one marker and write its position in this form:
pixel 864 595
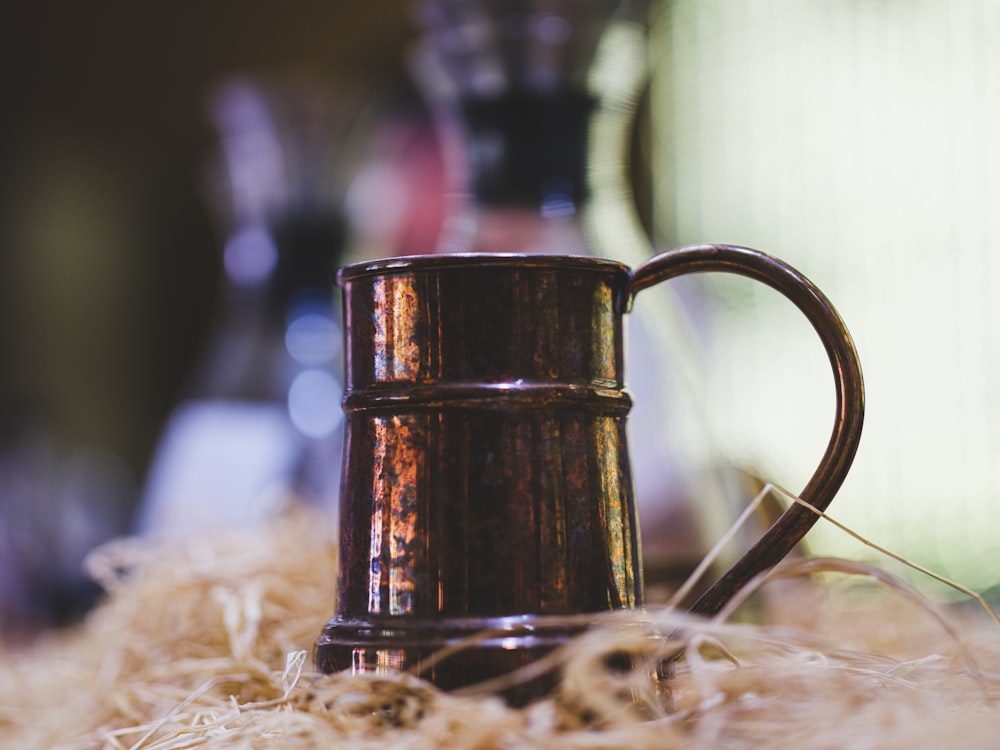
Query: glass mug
pixel 486 480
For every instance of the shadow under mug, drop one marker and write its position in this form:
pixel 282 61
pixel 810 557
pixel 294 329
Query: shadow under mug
pixel 486 482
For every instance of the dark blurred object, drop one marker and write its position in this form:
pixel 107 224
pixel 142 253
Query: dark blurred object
pixel 58 503
pixel 262 421
pixel 509 83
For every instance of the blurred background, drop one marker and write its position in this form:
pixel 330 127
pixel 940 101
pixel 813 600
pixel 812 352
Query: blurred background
pixel 154 159
pixel 116 204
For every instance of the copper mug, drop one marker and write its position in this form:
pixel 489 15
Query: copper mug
pixel 486 482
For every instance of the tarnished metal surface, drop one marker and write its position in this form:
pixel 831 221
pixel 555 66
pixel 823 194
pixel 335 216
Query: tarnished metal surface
pixel 486 476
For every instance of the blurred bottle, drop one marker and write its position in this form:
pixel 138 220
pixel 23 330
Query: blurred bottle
pixel 509 86
pixel 262 420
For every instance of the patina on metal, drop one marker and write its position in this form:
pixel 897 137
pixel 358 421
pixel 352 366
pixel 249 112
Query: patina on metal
pixel 486 481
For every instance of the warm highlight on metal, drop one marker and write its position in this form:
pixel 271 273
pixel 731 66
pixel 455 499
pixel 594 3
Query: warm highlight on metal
pixel 486 477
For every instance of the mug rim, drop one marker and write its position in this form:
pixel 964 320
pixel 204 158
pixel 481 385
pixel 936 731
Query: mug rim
pixel 466 261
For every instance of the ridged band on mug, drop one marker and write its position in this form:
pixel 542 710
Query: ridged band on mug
pixel 515 395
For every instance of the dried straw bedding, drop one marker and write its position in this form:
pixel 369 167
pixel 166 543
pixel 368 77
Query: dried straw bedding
pixel 206 645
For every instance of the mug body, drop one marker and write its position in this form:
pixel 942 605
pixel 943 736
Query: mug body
pixel 486 481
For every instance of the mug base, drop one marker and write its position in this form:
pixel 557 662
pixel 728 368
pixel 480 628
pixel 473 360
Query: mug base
pixel 450 653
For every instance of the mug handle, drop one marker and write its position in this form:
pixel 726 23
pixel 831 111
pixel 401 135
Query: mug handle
pixel 793 524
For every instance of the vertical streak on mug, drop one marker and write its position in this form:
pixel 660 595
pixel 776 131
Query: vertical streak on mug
pixel 519 514
pixel 406 559
pixel 380 335
pixel 623 585
pixel 551 516
pixel 576 480
pixel 378 572
pixel 602 351
pixel 405 335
